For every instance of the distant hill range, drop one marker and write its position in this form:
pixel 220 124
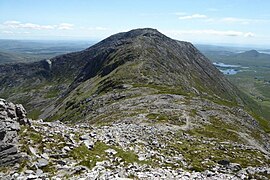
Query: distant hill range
pixel 251 57
pixel 7 57
pixel 253 54
pixel 14 51
pixel 244 58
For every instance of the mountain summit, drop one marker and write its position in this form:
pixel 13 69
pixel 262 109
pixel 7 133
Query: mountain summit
pixel 152 58
pixel 142 60
pixel 145 59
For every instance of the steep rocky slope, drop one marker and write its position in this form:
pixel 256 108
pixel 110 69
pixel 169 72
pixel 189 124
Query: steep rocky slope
pixel 156 103
pixel 11 117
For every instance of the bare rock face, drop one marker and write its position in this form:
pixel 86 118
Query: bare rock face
pixel 11 117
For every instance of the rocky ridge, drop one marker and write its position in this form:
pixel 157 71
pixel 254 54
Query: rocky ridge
pixel 126 150
pixel 11 117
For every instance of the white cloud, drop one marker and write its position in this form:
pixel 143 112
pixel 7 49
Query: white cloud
pixel 35 26
pixel 12 23
pixel 229 20
pixel 65 26
pixel 20 25
pixel 17 24
pixel 193 16
pixel 249 34
pixel 211 32
pixel 15 33
pixel 7 32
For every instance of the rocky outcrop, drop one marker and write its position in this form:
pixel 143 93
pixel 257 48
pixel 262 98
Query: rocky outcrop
pixel 137 151
pixel 11 117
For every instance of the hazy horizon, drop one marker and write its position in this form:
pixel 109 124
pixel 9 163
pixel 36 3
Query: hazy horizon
pixel 201 22
pixel 93 41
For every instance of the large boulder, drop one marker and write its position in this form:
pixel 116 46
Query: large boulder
pixel 11 117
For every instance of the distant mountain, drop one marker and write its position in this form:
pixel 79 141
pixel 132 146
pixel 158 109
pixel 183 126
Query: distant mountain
pixel 251 53
pixel 251 57
pixel 219 48
pixel 246 58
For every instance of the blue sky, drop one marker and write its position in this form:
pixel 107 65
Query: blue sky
pixel 243 22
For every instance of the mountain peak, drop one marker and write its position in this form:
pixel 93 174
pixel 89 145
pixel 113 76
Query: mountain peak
pixel 138 58
pixel 251 53
pixel 140 32
pixel 144 30
pixel 150 57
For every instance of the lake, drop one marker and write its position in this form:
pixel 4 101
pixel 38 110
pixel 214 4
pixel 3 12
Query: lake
pixel 227 69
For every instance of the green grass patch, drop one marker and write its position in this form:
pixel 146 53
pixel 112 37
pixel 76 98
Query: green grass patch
pixel 193 113
pixel 53 117
pixel 35 136
pixel 158 117
pixel 164 89
pixel 88 157
pixel 168 117
pixel 52 93
pixel 34 114
pixel 265 124
pixel 4 169
pixel 217 129
pixel 202 156
pixel 152 116
pixel 49 169
pixel 127 156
